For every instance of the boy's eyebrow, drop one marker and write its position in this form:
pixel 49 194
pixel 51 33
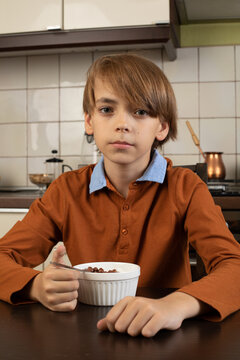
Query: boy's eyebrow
pixel 106 100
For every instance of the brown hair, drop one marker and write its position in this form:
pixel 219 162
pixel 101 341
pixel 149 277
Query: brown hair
pixel 140 82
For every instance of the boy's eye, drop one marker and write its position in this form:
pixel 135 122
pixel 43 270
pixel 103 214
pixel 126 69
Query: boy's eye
pixel 141 112
pixel 105 110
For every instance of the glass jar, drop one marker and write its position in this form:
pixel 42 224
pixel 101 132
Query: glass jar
pixel 55 165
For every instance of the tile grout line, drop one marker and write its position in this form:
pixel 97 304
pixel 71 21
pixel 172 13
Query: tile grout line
pixel 199 99
pixel 235 93
pixel 59 106
pixel 27 119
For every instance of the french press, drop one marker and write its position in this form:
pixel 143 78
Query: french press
pixel 55 165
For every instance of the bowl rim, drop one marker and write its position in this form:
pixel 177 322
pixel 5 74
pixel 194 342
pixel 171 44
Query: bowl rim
pixel 134 271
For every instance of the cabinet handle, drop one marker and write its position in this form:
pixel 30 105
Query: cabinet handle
pixel 13 210
pixel 53 27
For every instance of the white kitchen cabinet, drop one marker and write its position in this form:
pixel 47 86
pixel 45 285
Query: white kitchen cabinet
pixel 84 14
pixel 9 217
pixel 29 15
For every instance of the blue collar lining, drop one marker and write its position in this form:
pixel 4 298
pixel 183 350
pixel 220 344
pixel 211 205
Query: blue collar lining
pixel 155 172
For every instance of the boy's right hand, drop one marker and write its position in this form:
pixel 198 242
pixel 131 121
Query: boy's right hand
pixel 56 288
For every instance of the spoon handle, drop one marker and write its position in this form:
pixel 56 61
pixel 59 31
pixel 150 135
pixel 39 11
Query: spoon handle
pixel 65 266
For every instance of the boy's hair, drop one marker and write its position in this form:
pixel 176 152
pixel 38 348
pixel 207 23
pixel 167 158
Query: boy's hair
pixel 138 81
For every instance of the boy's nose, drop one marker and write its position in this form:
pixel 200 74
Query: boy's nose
pixel 122 124
pixel 122 128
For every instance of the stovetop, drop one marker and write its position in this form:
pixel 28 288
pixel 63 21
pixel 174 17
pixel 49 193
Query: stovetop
pixel 224 188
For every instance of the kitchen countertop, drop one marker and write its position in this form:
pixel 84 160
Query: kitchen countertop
pixel 228 202
pixel 24 198
pixel 18 199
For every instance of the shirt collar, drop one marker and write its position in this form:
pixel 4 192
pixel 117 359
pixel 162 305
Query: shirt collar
pixel 155 172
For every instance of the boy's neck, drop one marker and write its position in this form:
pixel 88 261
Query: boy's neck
pixel 122 175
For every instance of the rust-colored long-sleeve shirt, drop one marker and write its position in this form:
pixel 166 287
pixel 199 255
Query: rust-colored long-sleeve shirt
pixel 152 227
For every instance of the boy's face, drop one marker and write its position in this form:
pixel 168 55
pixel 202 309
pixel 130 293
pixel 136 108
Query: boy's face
pixel 123 133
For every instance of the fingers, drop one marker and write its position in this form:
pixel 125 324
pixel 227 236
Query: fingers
pixel 59 253
pixel 58 274
pixel 56 288
pixel 62 301
pixel 152 326
pixel 109 323
pixel 59 293
pixel 143 318
pixel 60 288
pixel 136 315
pixel 65 306
pixel 129 319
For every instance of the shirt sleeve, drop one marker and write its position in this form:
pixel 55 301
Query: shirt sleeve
pixel 30 241
pixel 209 235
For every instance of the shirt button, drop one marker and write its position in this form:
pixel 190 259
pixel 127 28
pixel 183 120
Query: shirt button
pixel 125 207
pixel 123 251
pixel 124 231
pixel 124 246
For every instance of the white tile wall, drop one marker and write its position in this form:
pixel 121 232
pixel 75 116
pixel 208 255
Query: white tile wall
pixel 74 68
pixel 238 166
pixel 183 159
pixel 13 140
pixel 185 69
pixel 43 71
pixel 238 136
pixel 187 99
pixel 237 62
pixel 13 106
pixel 42 138
pixel 155 55
pixel 73 141
pixel 238 98
pixel 13 73
pixel 216 63
pixel 13 171
pixel 43 105
pixel 71 104
pixel 217 99
pixel 41 108
pixel 218 134
pixel 184 143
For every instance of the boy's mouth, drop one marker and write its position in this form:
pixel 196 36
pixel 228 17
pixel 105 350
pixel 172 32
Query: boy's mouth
pixel 121 144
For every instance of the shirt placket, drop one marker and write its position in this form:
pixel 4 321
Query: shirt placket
pixel 125 223
pixel 124 229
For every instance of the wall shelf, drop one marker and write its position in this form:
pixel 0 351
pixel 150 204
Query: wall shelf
pixel 162 35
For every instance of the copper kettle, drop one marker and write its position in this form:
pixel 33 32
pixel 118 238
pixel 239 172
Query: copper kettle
pixel 216 168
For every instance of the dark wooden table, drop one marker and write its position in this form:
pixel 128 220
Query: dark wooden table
pixel 33 332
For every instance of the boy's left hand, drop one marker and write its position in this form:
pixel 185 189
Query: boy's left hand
pixel 139 315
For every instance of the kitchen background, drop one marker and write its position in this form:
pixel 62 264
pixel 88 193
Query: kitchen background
pixel 41 108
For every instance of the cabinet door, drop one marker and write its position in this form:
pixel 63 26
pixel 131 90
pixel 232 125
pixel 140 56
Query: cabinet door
pixel 84 14
pixel 29 15
pixel 8 218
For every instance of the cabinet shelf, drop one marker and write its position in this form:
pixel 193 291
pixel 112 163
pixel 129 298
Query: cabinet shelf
pixel 163 35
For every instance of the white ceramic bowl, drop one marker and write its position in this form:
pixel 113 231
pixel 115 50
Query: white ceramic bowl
pixel 106 289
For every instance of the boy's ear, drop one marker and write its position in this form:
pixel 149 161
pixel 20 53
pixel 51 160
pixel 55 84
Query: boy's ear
pixel 163 131
pixel 88 124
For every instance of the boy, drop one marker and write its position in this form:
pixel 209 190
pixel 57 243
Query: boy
pixel 132 206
